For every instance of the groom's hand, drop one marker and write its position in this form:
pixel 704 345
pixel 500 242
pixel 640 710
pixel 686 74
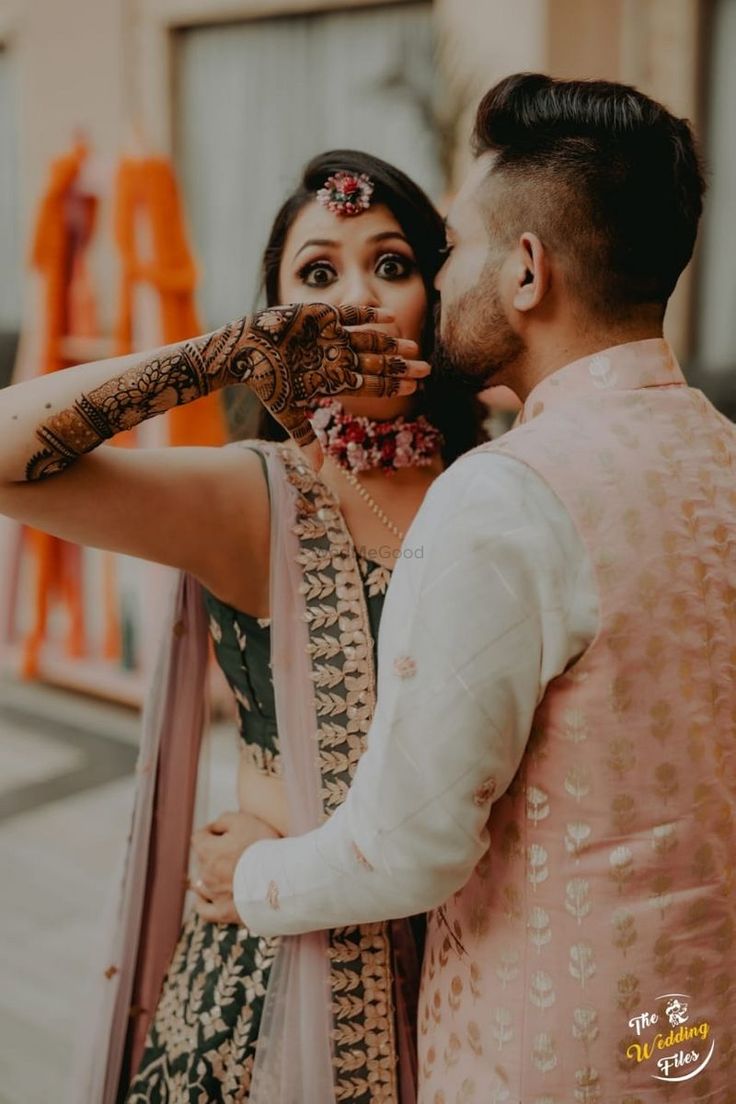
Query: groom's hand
pixel 218 847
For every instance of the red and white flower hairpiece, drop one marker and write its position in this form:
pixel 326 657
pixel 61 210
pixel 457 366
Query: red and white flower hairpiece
pixel 346 193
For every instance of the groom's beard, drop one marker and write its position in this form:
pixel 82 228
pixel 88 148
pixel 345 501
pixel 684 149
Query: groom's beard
pixel 478 344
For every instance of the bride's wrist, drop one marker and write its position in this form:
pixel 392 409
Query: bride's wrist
pixel 173 376
pixel 233 353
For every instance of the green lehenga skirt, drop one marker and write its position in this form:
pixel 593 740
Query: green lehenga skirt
pixel 201 1043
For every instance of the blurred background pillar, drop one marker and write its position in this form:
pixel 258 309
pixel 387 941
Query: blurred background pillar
pixel 656 45
pixel 661 53
pixel 479 42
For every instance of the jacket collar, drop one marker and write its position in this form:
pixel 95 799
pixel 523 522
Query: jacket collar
pixel 628 367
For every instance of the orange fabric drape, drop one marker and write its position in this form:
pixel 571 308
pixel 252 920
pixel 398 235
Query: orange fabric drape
pixel 56 245
pixel 63 229
pixel 147 189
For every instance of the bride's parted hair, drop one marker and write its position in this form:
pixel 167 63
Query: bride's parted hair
pixel 456 412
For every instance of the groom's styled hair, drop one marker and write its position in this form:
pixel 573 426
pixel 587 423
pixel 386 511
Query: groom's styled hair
pixel 610 181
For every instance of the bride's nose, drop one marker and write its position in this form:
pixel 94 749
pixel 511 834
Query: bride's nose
pixel 360 290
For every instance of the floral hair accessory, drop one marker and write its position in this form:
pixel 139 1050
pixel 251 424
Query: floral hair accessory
pixel 346 193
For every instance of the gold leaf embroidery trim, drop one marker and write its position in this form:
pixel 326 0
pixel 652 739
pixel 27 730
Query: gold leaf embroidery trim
pixel 341 651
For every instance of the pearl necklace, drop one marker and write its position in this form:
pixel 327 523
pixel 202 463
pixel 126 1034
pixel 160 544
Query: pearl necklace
pixel 357 443
pixel 355 482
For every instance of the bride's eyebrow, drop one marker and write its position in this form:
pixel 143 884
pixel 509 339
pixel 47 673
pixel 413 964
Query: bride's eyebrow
pixel 386 234
pixel 317 241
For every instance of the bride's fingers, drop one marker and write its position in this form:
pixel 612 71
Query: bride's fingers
pixel 357 316
pixel 298 426
pixel 389 328
pixel 300 430
pixel 373 364
pixel 373 341
pixel 384 386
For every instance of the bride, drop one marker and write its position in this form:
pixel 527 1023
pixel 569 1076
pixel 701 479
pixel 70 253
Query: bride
pixel 290 567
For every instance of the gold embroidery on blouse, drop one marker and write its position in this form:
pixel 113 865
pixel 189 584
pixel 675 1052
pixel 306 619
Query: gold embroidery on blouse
pixel 377 577
pixel 340 648
pixel 243 700
pixel 262 759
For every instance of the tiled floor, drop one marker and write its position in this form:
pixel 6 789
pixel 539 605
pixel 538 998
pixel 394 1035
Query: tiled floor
pixel 66 789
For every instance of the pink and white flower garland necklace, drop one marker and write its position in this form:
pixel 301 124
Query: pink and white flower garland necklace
pixel 361 444
pixel 358 443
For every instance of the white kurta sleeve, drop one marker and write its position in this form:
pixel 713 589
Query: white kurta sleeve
pixel 483 609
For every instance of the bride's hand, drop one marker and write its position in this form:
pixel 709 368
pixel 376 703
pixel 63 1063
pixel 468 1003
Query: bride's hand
pixel 292 355
pixel 218 847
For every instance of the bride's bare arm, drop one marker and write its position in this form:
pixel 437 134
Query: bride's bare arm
pixel 160 504
pixel 188 507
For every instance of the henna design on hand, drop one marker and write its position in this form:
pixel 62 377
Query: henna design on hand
pixel 373 341
pixel 356 316
pixel 289 356
pixel 298 353
pixel 164 380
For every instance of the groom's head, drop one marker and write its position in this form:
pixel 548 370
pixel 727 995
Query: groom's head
pixel 578 216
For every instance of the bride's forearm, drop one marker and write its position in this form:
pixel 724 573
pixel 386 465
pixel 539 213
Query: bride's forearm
pixel 49 422
pixel 288 355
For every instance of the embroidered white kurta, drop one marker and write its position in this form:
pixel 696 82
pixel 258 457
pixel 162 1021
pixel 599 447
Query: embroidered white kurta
pixel 492 598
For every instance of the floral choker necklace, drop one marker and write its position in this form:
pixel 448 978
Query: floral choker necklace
pixel 361 444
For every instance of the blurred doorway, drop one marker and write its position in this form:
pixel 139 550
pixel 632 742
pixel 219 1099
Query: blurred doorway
pixel 366 79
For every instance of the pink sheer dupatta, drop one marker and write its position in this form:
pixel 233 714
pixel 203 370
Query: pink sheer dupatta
pixel 148 898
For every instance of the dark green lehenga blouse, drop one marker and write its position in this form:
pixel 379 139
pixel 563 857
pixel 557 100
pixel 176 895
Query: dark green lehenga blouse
pixel 201 1043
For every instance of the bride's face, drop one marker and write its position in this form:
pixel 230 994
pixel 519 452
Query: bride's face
pixel 361 259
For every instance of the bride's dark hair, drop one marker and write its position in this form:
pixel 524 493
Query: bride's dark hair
pixel 457 413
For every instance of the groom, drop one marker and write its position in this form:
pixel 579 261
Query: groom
pixel 551 769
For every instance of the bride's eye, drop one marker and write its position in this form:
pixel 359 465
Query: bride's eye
pixel 317 274
pixel 394 266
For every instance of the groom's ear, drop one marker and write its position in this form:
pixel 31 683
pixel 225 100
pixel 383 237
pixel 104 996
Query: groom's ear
pixel 532 273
